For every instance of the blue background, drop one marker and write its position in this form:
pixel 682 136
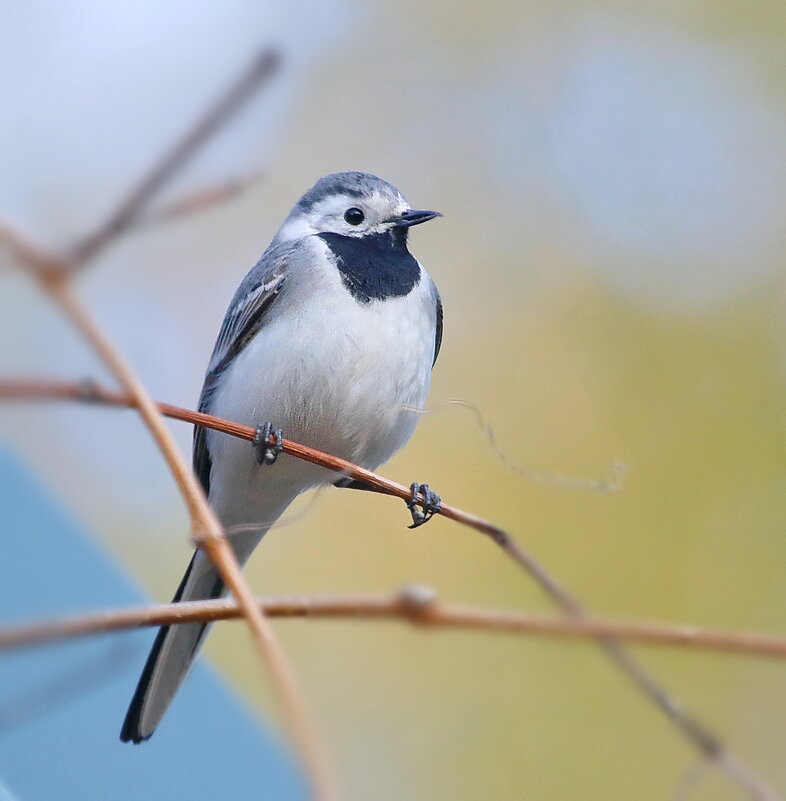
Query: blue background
pixel 61 705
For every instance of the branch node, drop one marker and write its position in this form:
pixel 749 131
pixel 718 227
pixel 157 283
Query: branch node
pixel 417 601
pixel 499 535
pixel 88 390
pixel 419 604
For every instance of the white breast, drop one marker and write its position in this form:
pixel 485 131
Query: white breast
pixel 334 374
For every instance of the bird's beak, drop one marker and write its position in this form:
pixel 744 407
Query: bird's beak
pixel 414 217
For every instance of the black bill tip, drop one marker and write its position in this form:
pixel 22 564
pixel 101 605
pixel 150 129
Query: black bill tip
pixel 415 217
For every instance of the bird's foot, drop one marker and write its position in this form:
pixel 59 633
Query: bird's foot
pixel 431 504
pixel 267 453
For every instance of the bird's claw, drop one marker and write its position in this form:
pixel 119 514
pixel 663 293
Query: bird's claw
pixel 431 504
pixel 267 453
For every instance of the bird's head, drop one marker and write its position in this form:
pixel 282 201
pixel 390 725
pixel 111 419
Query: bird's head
pixel 355 204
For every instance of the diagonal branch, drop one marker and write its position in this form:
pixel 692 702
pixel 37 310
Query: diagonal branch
pixel 707 743
pixel 262 67
pixel 206 531
pixel 50 268
pixel 24 251
pixel 417 604
pixel 201 199
pixel 53 269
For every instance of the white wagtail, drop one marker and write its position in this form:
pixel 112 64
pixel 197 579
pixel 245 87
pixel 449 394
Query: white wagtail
pixel 331 336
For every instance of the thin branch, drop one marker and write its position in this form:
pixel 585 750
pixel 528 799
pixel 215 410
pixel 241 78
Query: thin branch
pixel 207 533
pixel 50 269
pixel 416 604
pixel 197 201
pixel 704 740
pixel 262 67
pixel 24 251
pixel 53 271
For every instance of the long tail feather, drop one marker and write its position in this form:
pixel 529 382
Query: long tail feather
pixel 172 655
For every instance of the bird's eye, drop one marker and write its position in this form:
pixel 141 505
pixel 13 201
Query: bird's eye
pixel 354 215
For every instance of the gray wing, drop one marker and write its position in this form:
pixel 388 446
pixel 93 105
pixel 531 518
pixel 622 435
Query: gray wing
pixel 438 332
pixel 245 316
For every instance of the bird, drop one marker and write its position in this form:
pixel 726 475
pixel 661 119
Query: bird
pixel 330 337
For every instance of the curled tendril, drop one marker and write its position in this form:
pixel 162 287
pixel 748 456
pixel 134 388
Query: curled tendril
pixel 613 483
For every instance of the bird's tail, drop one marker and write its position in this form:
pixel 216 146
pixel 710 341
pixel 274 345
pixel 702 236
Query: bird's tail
pixel 173 652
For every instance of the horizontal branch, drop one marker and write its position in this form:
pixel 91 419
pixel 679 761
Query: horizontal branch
pixel 415 603
pixel 54 268
pixel 91 392
pixel 704 740
pixel 207 533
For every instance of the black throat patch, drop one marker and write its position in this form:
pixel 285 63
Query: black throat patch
pixel 374 267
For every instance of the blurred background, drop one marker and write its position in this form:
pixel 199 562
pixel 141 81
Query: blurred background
pixel 613 180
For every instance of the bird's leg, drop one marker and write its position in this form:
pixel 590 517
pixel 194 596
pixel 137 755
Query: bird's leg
pixel 431 504
pixel 431 501
pixel 267 453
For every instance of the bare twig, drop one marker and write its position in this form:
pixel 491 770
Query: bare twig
pixel 704 740
pixel 199 200
pixel 230 101
pixel 53 271
pixel 52 268
pixel 207 533
pixel 24 251
pixel 417 604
